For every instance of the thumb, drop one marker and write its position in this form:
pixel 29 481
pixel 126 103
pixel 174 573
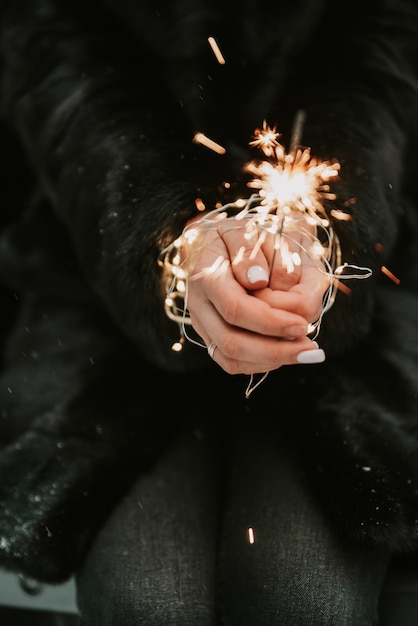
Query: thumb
pixel 248 260
pixel 251 274
pixel 257 276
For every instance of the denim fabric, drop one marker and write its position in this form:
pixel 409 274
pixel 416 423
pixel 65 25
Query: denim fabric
pixel 299 571
pixel 177 549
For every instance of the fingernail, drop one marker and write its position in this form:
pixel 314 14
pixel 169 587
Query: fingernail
pixel 311 356
pixel 257 273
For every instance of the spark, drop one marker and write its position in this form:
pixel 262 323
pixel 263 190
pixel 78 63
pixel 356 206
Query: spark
pixel 290 181
pixel 251 537
pixel 216 50
pixel 291 188
pixel 342 287
pixel 209 143
pixel 266 139
pixel 349 202
pixel 200 205
pixel 389 274
pixel 340 215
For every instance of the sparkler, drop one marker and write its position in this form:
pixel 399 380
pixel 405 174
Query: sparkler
pixel 291 188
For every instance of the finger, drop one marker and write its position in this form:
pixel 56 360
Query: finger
pixel 293 251
pixel 305 299
pixel 255 355
pixel 286 263
pixel 243 350
pixel 239 309
pixel 249 263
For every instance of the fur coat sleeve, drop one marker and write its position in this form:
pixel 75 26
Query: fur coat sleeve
pixel 107 121
pixel 104 98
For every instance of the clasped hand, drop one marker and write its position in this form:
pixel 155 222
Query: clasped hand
pixel 245 301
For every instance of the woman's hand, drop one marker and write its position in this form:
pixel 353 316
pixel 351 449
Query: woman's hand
pixel 243 300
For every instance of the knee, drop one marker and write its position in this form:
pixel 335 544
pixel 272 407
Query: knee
pixel 105 602
pixel 134 602
pixel 299 600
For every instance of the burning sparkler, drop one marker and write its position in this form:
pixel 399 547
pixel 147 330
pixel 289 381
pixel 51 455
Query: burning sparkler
pixel 291 183
pixel 291 190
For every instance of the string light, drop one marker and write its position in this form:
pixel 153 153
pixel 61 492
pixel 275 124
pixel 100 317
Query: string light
pixel 291 188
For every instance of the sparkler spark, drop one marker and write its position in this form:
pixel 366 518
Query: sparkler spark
pixel 289 205
pixel 251 537
pixel 289 182
pixel 390 275
pixel 350 202
pixel 266 139
pixel 209 143
pixel 200 205
pixel 216 50
pixel 342 287
pixel 340 215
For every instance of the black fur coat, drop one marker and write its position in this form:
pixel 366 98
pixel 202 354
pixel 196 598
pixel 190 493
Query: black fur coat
pixel 100 100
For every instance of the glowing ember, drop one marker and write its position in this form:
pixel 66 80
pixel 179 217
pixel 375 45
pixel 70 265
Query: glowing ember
pixel 290 181
pixel 288 206
pixel 389 274
pixel 216 51
pixel 266 139
pixel 200 205
pixel 342 287
pixel 209 143
pixel 340 215
pixel 350 202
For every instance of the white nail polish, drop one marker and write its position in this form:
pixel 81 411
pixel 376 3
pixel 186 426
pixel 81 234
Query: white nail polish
pixel 311 356
pixel 256 273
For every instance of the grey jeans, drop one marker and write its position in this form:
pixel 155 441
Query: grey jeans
pixel 225 529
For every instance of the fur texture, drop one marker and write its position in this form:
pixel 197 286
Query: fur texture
pixel 102 100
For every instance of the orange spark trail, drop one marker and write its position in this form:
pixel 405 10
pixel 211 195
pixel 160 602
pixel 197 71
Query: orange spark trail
pixel 389 274
pixel 216 51
pixel 209 143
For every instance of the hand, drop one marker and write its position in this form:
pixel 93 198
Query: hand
pixel 256 328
